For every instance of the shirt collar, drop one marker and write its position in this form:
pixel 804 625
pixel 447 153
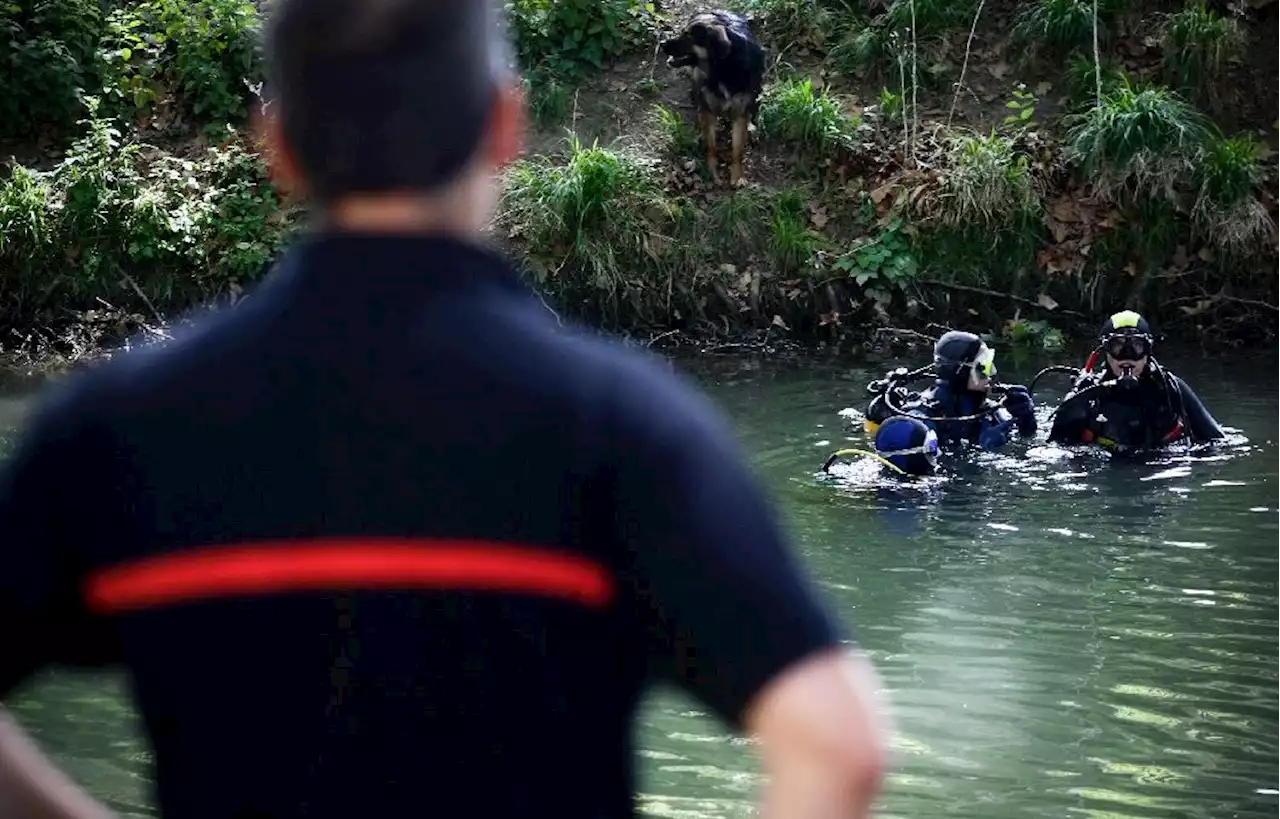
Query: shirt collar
pixel 395 267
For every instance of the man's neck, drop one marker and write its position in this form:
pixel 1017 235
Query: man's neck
pixel 404 215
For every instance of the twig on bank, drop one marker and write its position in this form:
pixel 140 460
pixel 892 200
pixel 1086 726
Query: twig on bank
pixel 1097 57
pixel 901 332
pixel 997 294
pixel 661 336
pixel 1223 297
pixel 968 49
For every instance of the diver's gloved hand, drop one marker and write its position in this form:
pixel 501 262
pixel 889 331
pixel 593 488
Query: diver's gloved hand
pixel 1017 399
pixel 997 427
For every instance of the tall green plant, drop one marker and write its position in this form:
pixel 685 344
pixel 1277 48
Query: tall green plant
pixel 566 37
pixel 204 52
pixel 46 63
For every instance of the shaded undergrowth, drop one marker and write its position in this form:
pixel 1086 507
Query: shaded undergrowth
pixel 885 188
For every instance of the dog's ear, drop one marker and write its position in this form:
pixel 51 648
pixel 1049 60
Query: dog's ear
pixel 718 37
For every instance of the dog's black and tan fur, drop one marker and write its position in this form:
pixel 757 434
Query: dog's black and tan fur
pixel 728 77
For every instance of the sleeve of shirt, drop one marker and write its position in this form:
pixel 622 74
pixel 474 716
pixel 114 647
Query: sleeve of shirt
pixel 1204 427
pixel 44 511
pixel 720 586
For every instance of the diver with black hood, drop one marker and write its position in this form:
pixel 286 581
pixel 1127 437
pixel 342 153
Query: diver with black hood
pixel 1133 403
pixel 960 405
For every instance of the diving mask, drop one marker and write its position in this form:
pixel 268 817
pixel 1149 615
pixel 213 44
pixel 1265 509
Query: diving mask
pixel 929 449
pixel 1128 346
pixel 984 364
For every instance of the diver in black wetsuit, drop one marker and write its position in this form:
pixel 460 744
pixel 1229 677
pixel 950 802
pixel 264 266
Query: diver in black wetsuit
pixel 1134 404
pixel 960 405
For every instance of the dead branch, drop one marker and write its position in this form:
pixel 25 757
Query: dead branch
pixel 997 294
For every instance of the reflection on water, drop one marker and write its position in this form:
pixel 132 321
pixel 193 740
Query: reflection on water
pixel 1061 634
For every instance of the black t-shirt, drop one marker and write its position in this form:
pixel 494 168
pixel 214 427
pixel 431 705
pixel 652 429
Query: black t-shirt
pixel 387 540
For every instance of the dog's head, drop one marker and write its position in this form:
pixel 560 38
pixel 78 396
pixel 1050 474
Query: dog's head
pixel 705 38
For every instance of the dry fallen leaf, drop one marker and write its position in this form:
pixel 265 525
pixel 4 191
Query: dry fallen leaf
pixel 878 195
pixel 1205 254
pixel 1043 88
pixel 778 322
pixel 1059 230
pixel 1046 301
pixel 818 216
pixel 1065 210
pixel 998 70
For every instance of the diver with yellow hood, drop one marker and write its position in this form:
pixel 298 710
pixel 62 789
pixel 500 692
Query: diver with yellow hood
pixel 1132 403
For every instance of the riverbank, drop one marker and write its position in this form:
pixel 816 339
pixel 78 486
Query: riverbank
pixel 1045 193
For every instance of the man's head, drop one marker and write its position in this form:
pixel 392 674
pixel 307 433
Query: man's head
pixel 908 444
pixel 964 362
pixel 392 114
pixel 1126 342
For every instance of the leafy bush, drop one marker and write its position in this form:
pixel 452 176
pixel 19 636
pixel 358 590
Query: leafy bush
pixel 206 52
pixel 46 63
pixel 564 37
pixel 124 221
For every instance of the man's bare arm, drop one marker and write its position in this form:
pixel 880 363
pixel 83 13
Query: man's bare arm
pixel 32 788
pixel 823 729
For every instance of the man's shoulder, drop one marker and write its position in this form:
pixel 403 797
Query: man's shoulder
pixel 105 387
pixel 647 395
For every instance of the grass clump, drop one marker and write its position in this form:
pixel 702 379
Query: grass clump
pixel 988 185
pixel 812 121
pixel 792 21
pixel 1082 80
pixel 1198 44
pixel 792 243
pixel 1227 211
pixel 678 137
pixel 592 219
pixel 1141 141
pixel 121 221
pixel 876 48
pixel 1059 27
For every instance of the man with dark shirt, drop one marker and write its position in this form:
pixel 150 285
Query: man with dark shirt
pixel 1133 404
pixel 386 541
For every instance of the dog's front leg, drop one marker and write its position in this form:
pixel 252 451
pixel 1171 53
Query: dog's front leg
pixel 739 149
pixel 707 121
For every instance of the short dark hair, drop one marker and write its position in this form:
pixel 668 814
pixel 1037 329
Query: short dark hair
pixel 383 95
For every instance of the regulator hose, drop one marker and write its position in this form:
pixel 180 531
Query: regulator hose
pixel 1064 369
pixel 840 453
pixel 995 388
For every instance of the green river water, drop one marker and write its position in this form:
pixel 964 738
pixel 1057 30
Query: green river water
pixel 1059 635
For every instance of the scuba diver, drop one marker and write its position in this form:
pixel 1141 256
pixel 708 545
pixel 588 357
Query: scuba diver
pixel 904 446
pixel 1133 403
pixel 959 405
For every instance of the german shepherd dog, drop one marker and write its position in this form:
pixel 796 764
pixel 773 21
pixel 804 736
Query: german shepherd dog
pixel 728 77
